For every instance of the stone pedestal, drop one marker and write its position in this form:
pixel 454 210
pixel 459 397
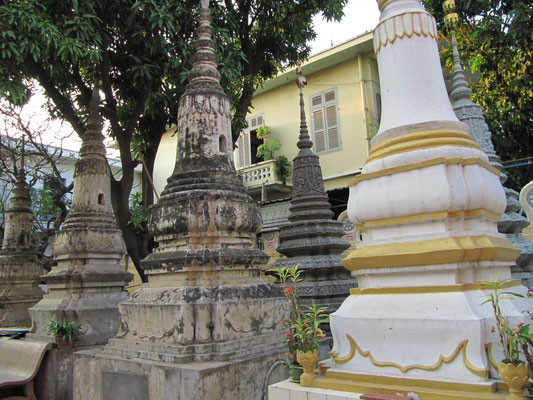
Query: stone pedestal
pixel 428 202
pixel 207 324
pixel 88 282
pixel 20 270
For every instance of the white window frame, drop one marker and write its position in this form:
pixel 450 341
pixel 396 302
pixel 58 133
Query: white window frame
pixel 334 124
pixel 243 152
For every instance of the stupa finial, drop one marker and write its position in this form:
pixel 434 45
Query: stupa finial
pixel 461 90
pixel 205 61
pixel 304 141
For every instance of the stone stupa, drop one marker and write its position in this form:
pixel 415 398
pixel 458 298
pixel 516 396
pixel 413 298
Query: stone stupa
pixel 20 270
pixel 313 240
pixel 207 325
pixel 88 281
pixel 512 222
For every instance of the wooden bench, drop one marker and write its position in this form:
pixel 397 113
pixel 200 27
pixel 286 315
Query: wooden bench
pixel 19 363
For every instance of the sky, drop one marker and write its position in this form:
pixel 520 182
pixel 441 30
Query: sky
pixel 359 16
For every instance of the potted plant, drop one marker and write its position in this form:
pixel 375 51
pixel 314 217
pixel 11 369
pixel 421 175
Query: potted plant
pixel 513 371
pixel 266 149
pixel 64 332
pixel 303 327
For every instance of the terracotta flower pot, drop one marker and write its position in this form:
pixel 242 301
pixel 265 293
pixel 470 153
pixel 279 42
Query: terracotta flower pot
pixel 64 344
pixel 307 360
pixel 516 377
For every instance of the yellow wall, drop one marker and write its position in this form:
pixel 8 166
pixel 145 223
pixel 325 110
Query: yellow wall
pixel 282 114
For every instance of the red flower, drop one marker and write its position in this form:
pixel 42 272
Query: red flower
pixel 519 325
pixel 289 292
pixel 292 358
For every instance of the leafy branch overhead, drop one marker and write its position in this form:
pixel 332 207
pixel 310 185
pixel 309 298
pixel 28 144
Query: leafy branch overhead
pixel 139 51
pixel 496 44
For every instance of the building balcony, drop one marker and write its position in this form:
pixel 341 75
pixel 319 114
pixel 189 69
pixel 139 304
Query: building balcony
pixel 262 182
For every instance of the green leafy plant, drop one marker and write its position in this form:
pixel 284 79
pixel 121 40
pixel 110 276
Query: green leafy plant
pixel 269 146
pixel 282 168
pixel 512 340
pixel 303 324
pixel 139 212
pixel 67 330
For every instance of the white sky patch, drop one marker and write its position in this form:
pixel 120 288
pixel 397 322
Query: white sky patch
pixel 359 16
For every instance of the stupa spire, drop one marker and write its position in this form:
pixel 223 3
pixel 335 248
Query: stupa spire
pixel 20 270
pixel 88 282
pixel 312 240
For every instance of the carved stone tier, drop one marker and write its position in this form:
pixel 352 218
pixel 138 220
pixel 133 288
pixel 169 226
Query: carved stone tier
pixel 88 282
pixel 20 270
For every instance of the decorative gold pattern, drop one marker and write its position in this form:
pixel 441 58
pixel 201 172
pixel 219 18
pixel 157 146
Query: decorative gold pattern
pixel 488 349
pixel 421 140
pixel 423 164
pixel 425 388
pixel 516 377
pixel 430 216
pixel 481 372
pixel 404 25
pixel 431 252
pixel 429 289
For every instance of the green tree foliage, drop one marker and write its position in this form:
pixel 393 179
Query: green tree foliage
pixel 495 40
pixel 138 51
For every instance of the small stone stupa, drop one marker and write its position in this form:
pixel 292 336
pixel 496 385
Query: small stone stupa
pixel 207 325
pixel 312 240
pixel 88 282
pixel 20 270
pixel 512 222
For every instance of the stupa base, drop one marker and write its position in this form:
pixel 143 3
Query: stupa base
pixel 107 376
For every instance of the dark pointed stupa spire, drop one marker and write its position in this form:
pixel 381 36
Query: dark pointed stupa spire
pixel 312 240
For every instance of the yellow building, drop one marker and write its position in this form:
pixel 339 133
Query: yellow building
pixel 343 109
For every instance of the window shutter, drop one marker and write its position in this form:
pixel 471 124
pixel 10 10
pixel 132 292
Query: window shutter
pixel 330 96
pixel 247 159
pixel 318 131
pixel 240 145
pixel 331 123
pixel 316 101
pixel 260 120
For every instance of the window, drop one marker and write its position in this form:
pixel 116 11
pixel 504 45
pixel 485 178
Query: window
pixel 325 125
pixel 248 142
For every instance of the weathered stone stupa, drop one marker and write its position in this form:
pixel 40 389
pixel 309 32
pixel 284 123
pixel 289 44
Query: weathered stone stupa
pixel 207 325
pixel 88 282
pixel 512 222
pixel 429 203
pixel 312 240
pixel 20 270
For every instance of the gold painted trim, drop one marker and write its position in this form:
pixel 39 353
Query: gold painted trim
pixel 431 252
pixel 480 212
pixel 421 140
pixel 351 354
pixel 383 3
pixel 488 349
pixel 383 35
pixel 424 164
pixel 427 289
pixel 481 372
pixel 425 388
